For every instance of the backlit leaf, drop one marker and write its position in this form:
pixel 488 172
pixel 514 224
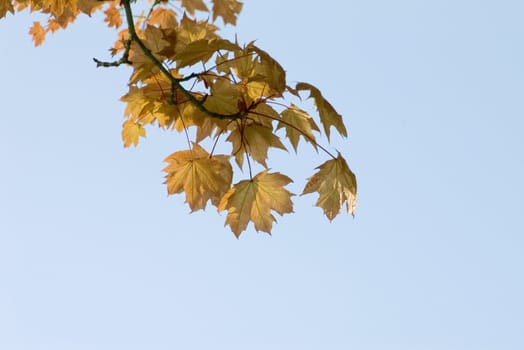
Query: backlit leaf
pixel 254 200
pixel 227 9
pixel 194 5
pixel 298 123
pixel 201 50
pixel 255 140
pixel 131 132
pixel 200 176
pixel 336 185
pixel 38 33
pixel 5 7
pixel 328 115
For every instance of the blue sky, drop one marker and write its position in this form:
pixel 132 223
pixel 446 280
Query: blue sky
pixel 94 255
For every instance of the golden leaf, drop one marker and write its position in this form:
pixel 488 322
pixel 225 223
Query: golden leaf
pixel 200 176
pixel 328 115
pixel 227 9
pixel 89 6
pixel 154 39
pixel 136 102
pixel 5 7
pixel 253 200
pixel 297 123
pixel 202 50
pixel 254 140
pixel 131 132
pixel 164 18
pixel 194 5
pixel 272 72
pixel 38 33
pixel 336 184
pixel 224 98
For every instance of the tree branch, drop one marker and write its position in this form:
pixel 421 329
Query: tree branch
pixel 175 83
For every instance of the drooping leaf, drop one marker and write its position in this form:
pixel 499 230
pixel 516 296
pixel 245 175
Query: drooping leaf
pixel 253 200
pixel 328 115
pixel 113 17
pixel 273 73
pixel 227 9
pixel 336 185
pixel 89 6
pixel 200 176
pixel 224 98
pixel 5 7
pixel 38 33
pixel 131 132
pixel 201 51
pixel 255 140
pixel 194 5
pixel 298 123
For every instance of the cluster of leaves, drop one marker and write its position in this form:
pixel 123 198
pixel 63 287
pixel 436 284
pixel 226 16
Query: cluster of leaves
pixel 186 76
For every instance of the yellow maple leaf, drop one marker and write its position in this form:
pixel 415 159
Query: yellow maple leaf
pixel 200 176
pixel 328 115
pixel 202 50
pixel 272 72
pixel 194 5
pixel 224 97
pixel 131 132
pixel 227 9
pixel 136 101
pixel 154 39
pixel 38 33
pixel 255 140
pixel 253 200
pixel 59 7
pixel 336 184
pixel 164 18
pixel 297 123
pixel 89 6
pixel 5 7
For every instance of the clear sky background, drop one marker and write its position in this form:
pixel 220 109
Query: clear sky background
pixel 94 255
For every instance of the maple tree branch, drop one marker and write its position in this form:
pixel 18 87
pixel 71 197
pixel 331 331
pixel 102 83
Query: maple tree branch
pixel 176 83
pixel 123 60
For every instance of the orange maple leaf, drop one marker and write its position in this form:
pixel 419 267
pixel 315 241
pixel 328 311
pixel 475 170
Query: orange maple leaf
pixel 38 33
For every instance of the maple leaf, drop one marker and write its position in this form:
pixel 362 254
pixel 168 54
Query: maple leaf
pixel 255 140
pixel 297 123
pixel 38 33
pixel 88 6
pixel 5 7
pixel 224 98
pixel 271 70
pixel 131 132
pixel 253 200
pixel 194 5
pixel 328 115
pixel 164 18
pixel 154 39
pixel 202 177
pixel 113 17
pixel 202 50
pixel 227 9
pixel 336 184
